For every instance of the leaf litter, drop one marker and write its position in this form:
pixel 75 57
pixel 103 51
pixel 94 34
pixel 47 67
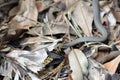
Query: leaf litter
pixel 33 32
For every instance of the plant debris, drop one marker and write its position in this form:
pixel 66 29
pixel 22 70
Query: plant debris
pixel 46 40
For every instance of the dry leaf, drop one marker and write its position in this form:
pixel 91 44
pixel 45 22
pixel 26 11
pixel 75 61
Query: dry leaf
pixel 6 78
pixel 56 29
pixel 40 6
pixel 75 67
pixel 26 16
pixel 96 70
pixel 111 21
pixel 70 2
pixel 112 65
pixel 78 64
pixel 13 11
pixel 33 61
pixel 83 16
pixel 117 15
pixel 50 46
pixel 109 57
pixel 36 40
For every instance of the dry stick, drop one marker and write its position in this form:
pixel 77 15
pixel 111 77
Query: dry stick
pixel 110 57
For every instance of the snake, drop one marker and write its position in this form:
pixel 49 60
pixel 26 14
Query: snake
pixel 98 25
pixel 97 22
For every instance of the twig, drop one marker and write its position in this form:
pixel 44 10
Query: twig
pixel 8 3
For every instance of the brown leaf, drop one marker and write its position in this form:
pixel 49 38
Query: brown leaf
pixel 70 2
pixel 83 15
pixel 40 6
pixel 112 65
pixel 26 16
pixel 117 15
pixel 13 11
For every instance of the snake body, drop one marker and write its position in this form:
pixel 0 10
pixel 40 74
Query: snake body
pixel 99 26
